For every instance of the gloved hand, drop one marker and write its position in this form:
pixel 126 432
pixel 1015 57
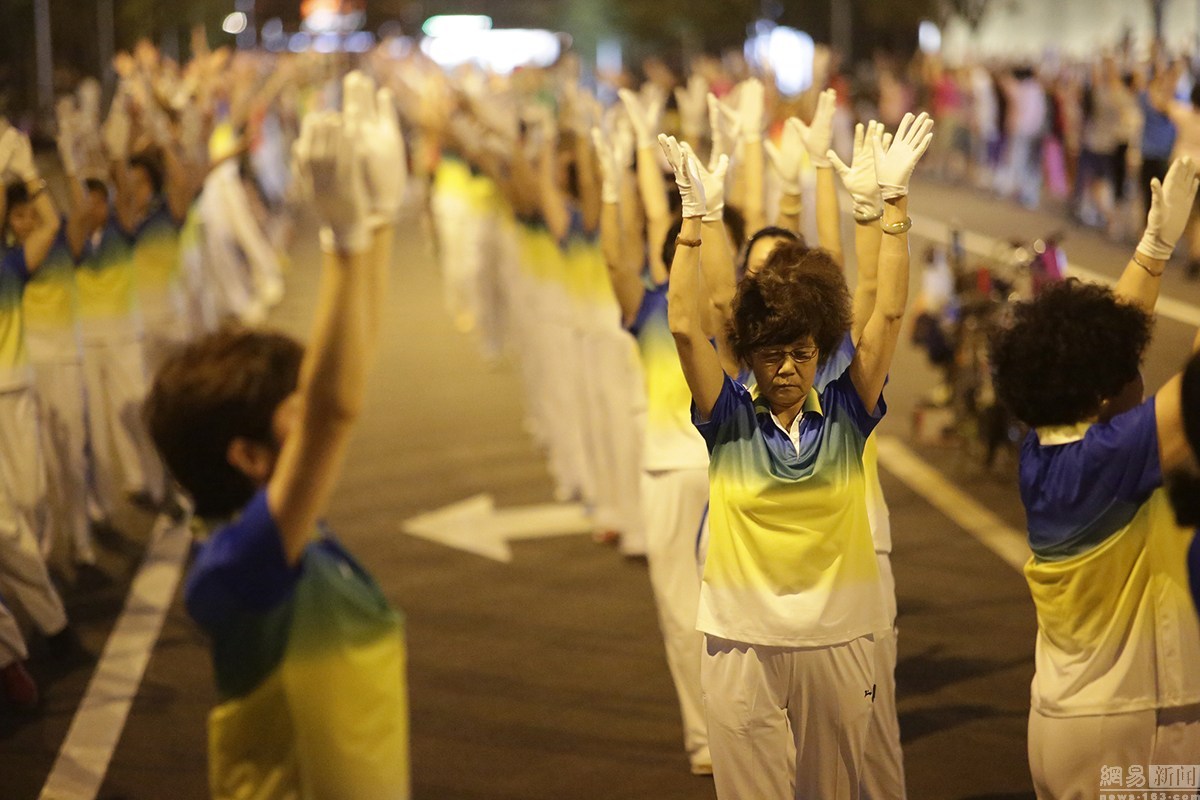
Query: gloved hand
pixel 750 109
pixel 860 179
pixel 693 107
pixel 645 114
pixel 894 168
pixel 116 128
pixel 691 187
pixel 329 164
pixel 788 156
pixel 67 117
pixel 20 159
pixel 1169 209
pixel 610 172
pixel 726 127
pixel 818 136
pixel 371 116
pixel 713 183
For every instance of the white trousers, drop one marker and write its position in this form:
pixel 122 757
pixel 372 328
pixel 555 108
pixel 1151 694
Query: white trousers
pixel 59 388
pixel 114 373
pixel 673 502
pixel 12 643
pixel 23 576
pixel 765 703
pixel 1066 754
pixel 883 765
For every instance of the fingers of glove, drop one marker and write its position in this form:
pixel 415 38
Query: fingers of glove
pixel 837 163
pixel 385 108
pixel 671 149
pixel 904 125
pixel 859 138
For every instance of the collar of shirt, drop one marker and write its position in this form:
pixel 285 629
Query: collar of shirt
pixel 1052 435
pixel 812 405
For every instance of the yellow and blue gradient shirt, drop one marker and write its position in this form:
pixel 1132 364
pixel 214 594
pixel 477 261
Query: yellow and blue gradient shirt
pixel 14 355
pixel 310 666
pixel 790 561
pixel 156 264
pixel 1117 629
pixel 52 307
pixel 108 303
pixel 671 440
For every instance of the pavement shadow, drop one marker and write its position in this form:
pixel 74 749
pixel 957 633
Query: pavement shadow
pixel 931 671
pixel 918 723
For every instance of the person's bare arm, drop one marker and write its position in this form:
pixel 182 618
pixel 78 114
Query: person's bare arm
pixel 817 139
pixel 627 285
pixel 1170 209
pixel 332 152
pixel 752 167
pixel 877 345
pixel 652 188
pixel 20 163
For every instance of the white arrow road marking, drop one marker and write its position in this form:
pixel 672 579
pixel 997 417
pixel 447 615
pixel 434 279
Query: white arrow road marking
pixel 991 531
pixel 989 247
pixel 476 526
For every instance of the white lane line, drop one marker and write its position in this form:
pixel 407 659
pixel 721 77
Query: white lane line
pixel 980 244
pixel 963 510
pixel 87 750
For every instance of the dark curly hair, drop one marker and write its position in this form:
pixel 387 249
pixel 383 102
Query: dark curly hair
pixel 221 387
pixel 1184 484
pixel 799 293
pixel 1058 358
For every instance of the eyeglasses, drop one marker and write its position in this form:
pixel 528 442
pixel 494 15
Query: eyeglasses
pixel 774 358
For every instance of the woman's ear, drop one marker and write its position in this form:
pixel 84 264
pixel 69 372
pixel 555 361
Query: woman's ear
pixel 253 459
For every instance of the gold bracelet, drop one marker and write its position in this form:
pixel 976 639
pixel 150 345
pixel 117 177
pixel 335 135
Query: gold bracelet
pixel 682 242
pixel 1149 271
pixel 897 228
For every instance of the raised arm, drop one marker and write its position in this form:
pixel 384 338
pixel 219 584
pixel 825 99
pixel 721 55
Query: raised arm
pixel 68 148
pixel 626 282
pixel 750 116
pixel 333 152
pixel 787 159
pixel 1169 211
pixel 716 255
pixel 873 357
pixel 644 115
pixel 1173 449
pixel 861 182
pixel 817 138
pixel 45 232
pixel 685 296
pixel 117 128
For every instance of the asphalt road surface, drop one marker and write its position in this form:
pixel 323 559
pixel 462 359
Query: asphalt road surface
pixel 544 678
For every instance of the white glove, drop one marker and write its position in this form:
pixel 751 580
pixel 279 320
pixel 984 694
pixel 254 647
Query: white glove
pixel 644 114
pixel 68 133
pixel 818 136
pixel 330 165
pixel 371 116
pixel 693 107
pixel 610 171
pixel 788 156
pixel 691 187
pixel 894 168
pixel 726 128
pixel 713 183
pixel 750 109
pixel 860 179
pixel 1169 209
pixel 20 160
pixel 116 128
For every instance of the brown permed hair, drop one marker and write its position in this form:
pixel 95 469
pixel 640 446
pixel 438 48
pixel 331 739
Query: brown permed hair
pixel 799 293
pixel 224 386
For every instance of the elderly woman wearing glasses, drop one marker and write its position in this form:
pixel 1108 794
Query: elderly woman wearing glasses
pixel 791 592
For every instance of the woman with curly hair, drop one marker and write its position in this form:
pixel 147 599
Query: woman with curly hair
pixel 1118 638
pixel 791 594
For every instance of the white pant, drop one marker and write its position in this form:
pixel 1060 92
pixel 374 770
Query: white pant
pixel 883 765
pixel 12 643
pixel 1066 754
pixel 59 388
pixel 114 374
pixel 23 576
pixel 766 703
pixel 673 503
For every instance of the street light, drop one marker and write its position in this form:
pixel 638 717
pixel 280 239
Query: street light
pixel 234 24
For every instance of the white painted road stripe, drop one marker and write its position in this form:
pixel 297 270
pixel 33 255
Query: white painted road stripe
pixel 985 246
pixel 963 510
pixel 88 748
